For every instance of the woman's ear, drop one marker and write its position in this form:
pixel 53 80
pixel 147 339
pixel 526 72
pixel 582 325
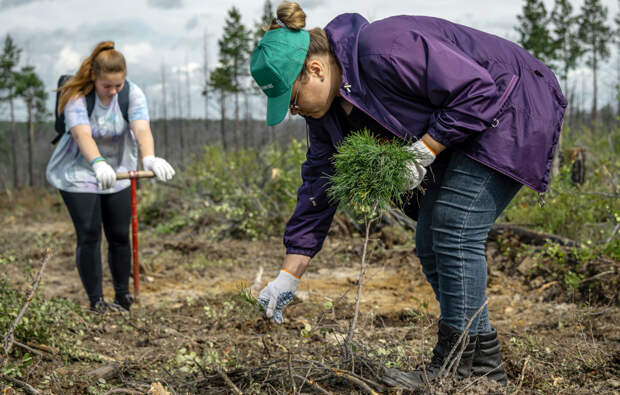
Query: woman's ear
pixel 317 68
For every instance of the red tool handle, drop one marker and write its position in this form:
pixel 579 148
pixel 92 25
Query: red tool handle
pixel 133 175
pixel 134 239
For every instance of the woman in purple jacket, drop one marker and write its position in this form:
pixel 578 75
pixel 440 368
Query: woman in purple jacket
pixel 483 114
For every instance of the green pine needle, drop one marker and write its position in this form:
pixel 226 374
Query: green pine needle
pixel 370 175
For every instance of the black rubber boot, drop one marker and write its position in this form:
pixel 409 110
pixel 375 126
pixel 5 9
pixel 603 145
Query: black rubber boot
pixel 447 339
pixel 487 359
pixel 99 306
pixel 122 302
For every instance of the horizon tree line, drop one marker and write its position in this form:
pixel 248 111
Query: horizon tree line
pixel 560 38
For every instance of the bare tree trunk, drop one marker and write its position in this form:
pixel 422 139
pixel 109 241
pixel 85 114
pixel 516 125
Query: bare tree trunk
pixel 247 133
pixel 13 142
pixel 180 117
pixel 30 144
pixel 223 119
pixel 594 96
pixel 193 137
pixel 165 110
pixel 237 125
pixel 205 71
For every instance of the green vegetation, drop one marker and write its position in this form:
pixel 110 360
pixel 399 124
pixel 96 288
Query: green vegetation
pixel 245 193
pixel 585 213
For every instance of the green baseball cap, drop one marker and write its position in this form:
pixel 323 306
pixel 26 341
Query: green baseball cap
pixel 276 62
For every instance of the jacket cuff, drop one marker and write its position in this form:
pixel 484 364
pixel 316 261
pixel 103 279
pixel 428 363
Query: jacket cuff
pixel 301 251
pixel 440 138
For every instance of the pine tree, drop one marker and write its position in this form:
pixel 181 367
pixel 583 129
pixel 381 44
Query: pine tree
pixel 31 89
pixel 566 41
pixel 221 81
pixel 259 33
pixel 234 54
pixel 8 79
pixel 533 31
pixel 595 37
pixel 264 22
pixel 617 39
pixel 567 53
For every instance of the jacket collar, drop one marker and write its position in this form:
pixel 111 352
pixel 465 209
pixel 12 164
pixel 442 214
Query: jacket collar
pixel 343 35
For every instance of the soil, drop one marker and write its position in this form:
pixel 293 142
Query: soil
pixel 192 300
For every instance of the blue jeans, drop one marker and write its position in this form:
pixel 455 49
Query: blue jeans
pixel 455 216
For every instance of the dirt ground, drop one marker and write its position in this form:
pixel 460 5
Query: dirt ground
pixel 193 329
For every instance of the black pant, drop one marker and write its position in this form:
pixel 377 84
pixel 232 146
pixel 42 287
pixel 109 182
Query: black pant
pixel 88 211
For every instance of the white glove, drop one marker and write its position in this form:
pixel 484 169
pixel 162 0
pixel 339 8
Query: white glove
pixel 162 169
pixel 106 176
pixel 417 167
pixel 277 294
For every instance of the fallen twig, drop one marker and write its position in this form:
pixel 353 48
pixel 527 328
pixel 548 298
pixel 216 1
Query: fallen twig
pixel 354 380
pixel 290 372
pixel 462 342
pixel 530 236
pixel 598 275
pixel 313 384
pixel 227 379
pixel 122 391
pixel 522 375
pixel 22 384
pixel 8 339
pixel 32 350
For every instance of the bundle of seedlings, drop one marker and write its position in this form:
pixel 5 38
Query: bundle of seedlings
pixel 370 177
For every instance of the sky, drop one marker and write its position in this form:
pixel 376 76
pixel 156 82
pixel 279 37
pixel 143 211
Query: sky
pixel 56 35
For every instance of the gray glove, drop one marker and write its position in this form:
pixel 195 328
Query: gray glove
pixel 106 176
pixel 417 168
pixel 277 294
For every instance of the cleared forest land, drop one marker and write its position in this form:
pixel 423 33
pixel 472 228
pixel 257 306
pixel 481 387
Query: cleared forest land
pixel 196 330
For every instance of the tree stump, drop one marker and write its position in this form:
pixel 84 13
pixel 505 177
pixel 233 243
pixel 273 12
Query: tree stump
pixel 577 158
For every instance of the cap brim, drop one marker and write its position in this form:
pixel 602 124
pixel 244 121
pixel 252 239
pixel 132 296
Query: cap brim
pixel 277 107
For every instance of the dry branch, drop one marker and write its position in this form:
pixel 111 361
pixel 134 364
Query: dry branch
pixel 522 375
pixel 21 384
pixel 529 236
pixel 228 381
pixel 463 340
pixel 313 384
pixel 8 339
pixel 32 350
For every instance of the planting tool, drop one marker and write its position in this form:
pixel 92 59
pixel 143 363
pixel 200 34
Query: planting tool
pixel 133 176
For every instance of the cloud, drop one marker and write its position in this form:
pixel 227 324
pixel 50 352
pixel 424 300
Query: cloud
pixel 6 4
pixel 187 68
pixel 308 4
pixel 165 4
pixel 68 61
pixel 136 53
pixel 192 23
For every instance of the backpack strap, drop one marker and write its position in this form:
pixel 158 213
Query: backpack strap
pixel 123 100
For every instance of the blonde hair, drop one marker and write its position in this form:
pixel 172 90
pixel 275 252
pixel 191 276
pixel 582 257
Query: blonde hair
pixel 103 59
pixel 293 17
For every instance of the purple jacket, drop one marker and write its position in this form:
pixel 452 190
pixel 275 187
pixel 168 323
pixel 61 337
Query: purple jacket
pixel 470 90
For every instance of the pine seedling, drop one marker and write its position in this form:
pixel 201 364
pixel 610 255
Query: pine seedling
pixel 369 177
